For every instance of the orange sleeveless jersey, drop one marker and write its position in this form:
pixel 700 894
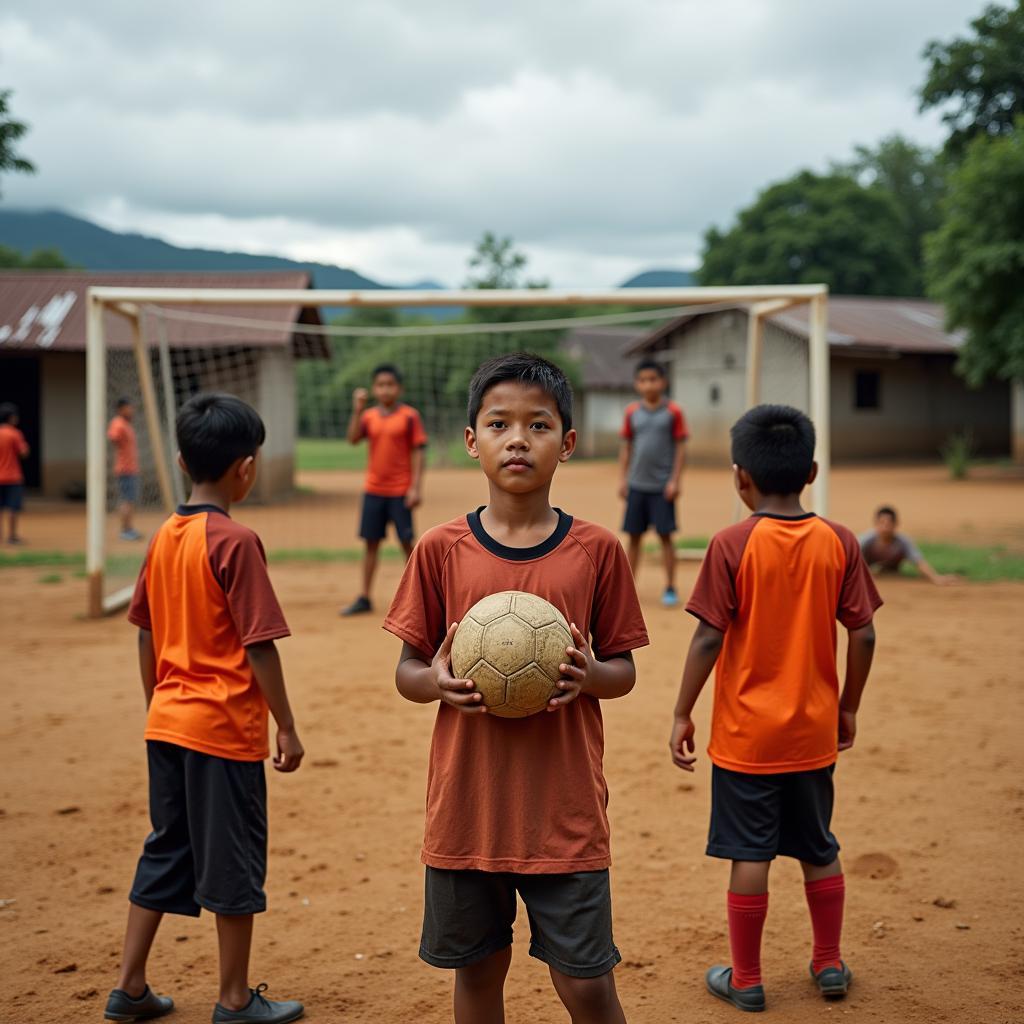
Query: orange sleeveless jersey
pixel 205 595
pixel 775 587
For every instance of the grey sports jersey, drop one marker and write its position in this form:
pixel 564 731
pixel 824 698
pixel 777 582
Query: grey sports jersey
pixel 653 433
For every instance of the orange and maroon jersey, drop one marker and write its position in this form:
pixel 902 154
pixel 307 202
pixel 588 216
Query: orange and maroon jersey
pixel 523 794
pixel 205 595
pixel 13 448
pixel 775 586
pixel 126 448
pixel 392 437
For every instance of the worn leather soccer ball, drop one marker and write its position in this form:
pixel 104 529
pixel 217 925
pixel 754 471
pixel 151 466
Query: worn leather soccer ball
pixel 511 644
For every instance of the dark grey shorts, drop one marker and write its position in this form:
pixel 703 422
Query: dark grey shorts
pixel 208 847
pixel 468 915
pixel 378 511
pixel 761 817
pixel 128 489
pixel 645 510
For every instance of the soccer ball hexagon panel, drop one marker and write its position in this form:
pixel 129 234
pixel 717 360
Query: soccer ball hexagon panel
pixel 511 644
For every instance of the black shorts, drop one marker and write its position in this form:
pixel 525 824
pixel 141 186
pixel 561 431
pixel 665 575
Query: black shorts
pixel 12 496
pixel 208 847
pixel 468 915
pixel 378 511
pixel 646 509
pixel 761 817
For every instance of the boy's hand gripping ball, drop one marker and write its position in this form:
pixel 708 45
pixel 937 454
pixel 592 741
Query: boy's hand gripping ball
pixel 511 644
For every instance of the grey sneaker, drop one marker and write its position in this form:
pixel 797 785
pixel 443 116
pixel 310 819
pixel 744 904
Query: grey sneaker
pixel 833 982
pixel 360 606
pixel 719 982
pixel 121 1006
pixel 259 1010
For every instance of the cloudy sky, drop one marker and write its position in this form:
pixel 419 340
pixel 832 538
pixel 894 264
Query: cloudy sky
pixel 604 135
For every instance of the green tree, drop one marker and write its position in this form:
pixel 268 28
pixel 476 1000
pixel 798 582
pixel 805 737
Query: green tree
pixel 10 132
pixel 816 228
pixel 981 77
pixel 915 179
pixel 975 261
pixel 39 259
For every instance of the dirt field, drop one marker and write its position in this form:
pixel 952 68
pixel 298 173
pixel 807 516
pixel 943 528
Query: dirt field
pixel 930 801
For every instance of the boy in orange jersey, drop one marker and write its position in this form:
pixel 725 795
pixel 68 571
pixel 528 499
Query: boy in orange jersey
pixel 208 619
pixel 394 474
pixel 13 448
pixel 768 596
pixel 121 434
pixel 518 805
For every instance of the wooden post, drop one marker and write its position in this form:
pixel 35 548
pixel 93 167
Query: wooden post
pixel 156 437
pixel 820 413
pixel 755 351
pixel 96 446
pixel 1017 420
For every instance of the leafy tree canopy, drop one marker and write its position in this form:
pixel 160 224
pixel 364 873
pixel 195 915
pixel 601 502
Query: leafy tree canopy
pixel 40 259
pixel 10 132
pixel 975 261
pixel 980 78
pixel 816 228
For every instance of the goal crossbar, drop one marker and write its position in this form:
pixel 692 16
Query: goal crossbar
pixel 762 300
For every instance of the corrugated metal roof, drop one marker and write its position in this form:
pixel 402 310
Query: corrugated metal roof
pixel 856 322
pixel 603 355
pixel 46 310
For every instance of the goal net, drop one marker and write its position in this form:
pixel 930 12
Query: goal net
pixel 300 374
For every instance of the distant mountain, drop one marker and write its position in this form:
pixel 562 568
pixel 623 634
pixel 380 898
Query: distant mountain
pixel 661 279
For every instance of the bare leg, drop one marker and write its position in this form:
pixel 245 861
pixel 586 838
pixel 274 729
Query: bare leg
pixel 589 1000
pixel 407 546
pixel 14 526
pixel 127 512
pixel 479 990
pixel 138 940
pixel 234 940
pixel 668 560
pixel 813 873
pixel 633 552
pixel 370 565
pixel 749 877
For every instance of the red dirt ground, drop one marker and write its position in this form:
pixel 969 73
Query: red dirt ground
pixel 930 801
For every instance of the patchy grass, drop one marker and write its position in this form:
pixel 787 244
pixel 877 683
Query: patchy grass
pixel 313 454
pixel 329 554
pixel 45 559
pixel 51 577
pixel 978 564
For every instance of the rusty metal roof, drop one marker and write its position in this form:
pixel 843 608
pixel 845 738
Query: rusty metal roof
pixel 855 322
pixel 46 310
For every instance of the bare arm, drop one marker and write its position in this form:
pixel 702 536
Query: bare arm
pixel 700 660
pixel 674 485
pixel 415 493
pixel 265 662
pixel 147 664
pixel 583 673
pixel 424 680
pixel 926 570
pixel 859 654
pixel 354 434
pixel 625 454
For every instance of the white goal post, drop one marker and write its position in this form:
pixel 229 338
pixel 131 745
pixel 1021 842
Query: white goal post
pixel 130 301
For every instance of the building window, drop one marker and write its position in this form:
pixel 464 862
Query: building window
pixel 867 390
pixel 715 395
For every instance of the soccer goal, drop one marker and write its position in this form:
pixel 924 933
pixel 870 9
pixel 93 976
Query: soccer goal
pixel 156 347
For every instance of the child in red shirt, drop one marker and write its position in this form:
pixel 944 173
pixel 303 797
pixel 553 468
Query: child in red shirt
pixel 13 448
pixel 121 434
pixel 768 596
pixel 394 473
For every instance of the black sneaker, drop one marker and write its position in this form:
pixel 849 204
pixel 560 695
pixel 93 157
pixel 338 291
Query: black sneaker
pixel 719 982
pixel 359 606
pixel 833 982
pixel 259 1010
pixel 121 1006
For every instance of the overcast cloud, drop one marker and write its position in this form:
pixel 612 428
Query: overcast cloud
pixel 386 136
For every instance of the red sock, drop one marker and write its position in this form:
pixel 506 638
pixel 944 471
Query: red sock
pixel 746 922
pixel 825 899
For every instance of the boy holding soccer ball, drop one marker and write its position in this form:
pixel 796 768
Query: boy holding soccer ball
pixel 768 596
pixel 518 804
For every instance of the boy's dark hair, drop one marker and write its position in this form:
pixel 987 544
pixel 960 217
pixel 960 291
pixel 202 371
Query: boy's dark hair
pixel 775 445
pixel 886 510
pixel 387 368
pixel 123 401
pixel 7 411
pixel 214 430
pixel 523 368
pixel 650 364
